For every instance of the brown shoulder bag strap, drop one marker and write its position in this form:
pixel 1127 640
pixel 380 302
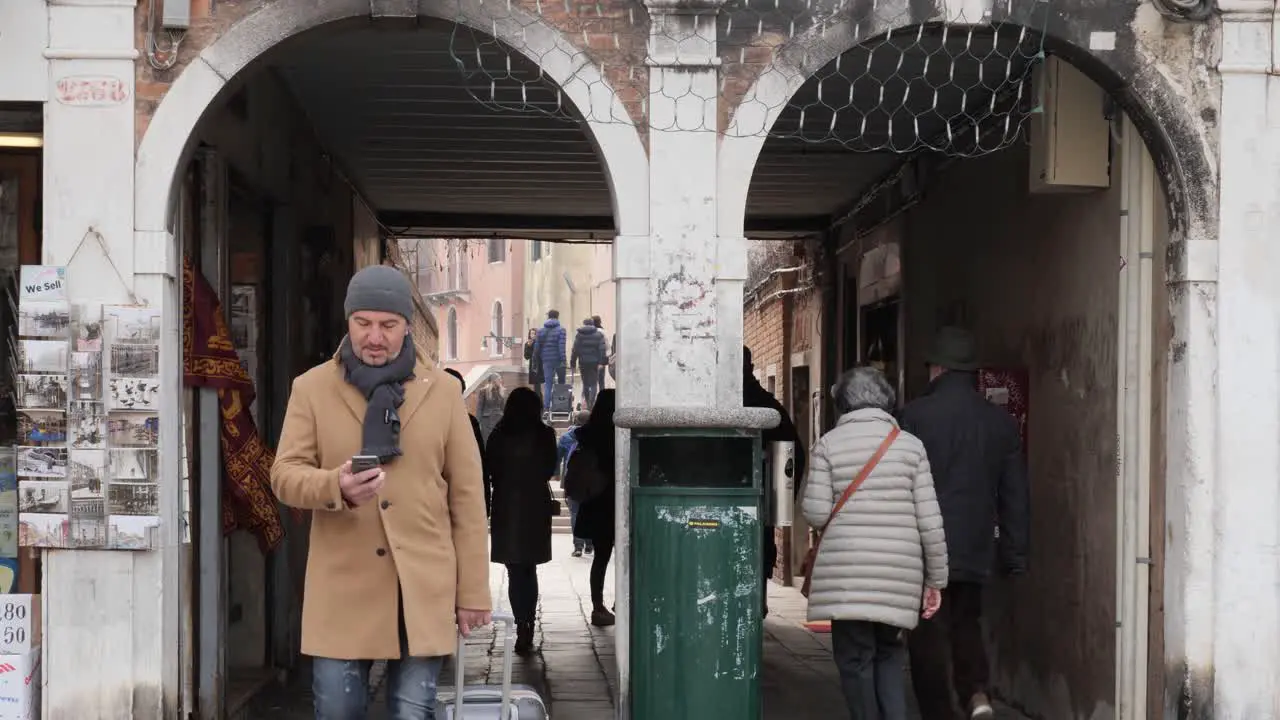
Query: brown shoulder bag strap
pixel 862 476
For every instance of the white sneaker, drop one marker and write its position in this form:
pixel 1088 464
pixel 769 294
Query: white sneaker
pixel 980 707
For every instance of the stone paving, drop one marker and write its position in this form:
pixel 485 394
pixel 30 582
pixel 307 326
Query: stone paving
pixel 574 667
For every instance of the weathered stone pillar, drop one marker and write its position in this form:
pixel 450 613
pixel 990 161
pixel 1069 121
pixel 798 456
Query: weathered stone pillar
pixel 1236 568
pixel 680 288
pixel 109 616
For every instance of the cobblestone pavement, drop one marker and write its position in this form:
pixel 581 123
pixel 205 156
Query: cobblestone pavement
pixel 575 668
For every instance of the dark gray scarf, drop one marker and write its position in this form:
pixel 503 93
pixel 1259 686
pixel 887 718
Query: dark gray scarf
pixel 383 388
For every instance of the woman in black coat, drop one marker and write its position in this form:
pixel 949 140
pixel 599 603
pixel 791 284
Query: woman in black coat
pixel 532 356
pixel 520 460
pixel 596 516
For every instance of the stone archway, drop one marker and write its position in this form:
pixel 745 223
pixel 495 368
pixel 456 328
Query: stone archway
pixel 1186 165
pixel 168 136
pixel 1175 115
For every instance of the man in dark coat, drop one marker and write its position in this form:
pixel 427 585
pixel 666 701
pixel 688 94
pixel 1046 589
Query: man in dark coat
pixel 979 474
pixel 755 396
pixel 475 428
pixel 551 355
pixel 590 350
pixel 608 350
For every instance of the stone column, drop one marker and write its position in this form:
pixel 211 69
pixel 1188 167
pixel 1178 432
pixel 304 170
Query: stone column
pixel 680 288
pixel 1240 582
pixel 108 615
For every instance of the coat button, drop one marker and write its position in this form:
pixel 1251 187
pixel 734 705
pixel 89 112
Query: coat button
pixel 381 552
pixel 332 506
pixel 386 504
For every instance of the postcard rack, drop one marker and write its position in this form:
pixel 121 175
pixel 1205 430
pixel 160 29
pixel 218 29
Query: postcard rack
pixel 86 391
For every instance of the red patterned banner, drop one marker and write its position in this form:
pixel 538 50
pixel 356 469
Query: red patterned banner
pixel 209 359
pixel 1008 388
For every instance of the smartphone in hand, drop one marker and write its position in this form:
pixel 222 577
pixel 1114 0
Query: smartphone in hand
pixel 361 463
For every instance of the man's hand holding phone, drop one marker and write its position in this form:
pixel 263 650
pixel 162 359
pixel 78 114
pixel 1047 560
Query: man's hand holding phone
pixel 361 486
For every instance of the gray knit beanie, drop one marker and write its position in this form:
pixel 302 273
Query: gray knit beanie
pixel 380 288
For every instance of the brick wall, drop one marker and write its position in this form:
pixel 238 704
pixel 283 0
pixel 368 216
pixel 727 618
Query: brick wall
pixel 763 316
pixel 762 332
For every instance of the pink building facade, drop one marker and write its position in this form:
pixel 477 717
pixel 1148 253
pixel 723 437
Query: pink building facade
pixel 476 291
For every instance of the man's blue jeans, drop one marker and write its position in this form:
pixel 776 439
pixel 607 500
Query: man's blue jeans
pixel 548 383
pixel 590 386
pixel 341 687
pixel 578 543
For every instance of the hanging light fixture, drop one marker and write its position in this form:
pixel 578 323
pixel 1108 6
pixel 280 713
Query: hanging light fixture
pixel 21 140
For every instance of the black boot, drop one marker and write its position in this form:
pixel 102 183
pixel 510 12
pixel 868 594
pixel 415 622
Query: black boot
pixel 524 638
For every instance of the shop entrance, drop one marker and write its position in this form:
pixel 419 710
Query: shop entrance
pixel 20 156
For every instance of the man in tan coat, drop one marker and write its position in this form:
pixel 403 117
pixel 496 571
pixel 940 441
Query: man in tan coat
pixel 399 553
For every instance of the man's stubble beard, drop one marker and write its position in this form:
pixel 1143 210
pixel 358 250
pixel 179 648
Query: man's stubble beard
pixel 387 361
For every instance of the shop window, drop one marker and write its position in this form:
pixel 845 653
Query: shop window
pixel 497 250
pixel 19 245
pixel 452 331
pixel 496 330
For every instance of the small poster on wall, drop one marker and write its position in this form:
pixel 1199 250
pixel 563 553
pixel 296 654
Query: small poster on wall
pixel 38 283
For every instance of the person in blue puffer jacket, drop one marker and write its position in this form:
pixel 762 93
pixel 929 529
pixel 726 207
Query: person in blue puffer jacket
pixel 567 444
pixel 551 351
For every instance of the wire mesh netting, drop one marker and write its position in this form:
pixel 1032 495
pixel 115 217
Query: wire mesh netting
pixel 864 74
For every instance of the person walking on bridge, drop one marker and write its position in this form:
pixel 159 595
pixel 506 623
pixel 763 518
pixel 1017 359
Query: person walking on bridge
pixel 590 352
pixel 551 355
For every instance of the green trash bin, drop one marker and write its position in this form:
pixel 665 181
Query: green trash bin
pixel 696 577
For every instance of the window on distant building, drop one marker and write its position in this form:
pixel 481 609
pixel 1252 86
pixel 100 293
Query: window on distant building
pixel 497 250
pixel 495 343
pixel 453 334
pixel 535 250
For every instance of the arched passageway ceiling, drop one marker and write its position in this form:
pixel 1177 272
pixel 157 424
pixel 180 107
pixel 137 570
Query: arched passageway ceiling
pixel 404 121
pixel 262 35
pixel 1126 47
pixel 961 91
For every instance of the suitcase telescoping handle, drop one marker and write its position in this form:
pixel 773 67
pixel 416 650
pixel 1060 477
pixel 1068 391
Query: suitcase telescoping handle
pixel 508 649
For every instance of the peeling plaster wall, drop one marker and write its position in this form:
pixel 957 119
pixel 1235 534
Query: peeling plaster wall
pixel 1038 277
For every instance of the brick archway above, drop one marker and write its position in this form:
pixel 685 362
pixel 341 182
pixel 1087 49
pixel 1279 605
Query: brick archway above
pixel 168 136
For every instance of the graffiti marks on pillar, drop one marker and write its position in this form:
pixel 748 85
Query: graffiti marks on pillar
pixel 91 90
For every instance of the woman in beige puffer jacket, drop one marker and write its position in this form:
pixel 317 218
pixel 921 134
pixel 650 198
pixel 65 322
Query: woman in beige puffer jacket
pixel 883 558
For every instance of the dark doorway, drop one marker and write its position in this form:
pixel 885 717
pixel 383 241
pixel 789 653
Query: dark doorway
pixel 881 338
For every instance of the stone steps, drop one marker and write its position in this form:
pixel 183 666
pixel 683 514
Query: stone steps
pixel 560 524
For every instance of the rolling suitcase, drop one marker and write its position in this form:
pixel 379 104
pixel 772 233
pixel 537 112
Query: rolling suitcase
pixel 492 702
pixel 562 398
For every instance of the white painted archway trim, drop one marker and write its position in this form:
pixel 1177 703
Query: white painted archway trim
pixel 163 146
pixel 793 64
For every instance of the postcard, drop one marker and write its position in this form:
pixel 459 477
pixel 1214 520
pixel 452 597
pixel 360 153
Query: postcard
pixel 42 530
pixel 44 319
pixel 42 462
pixel 43 496
pixel 133 532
